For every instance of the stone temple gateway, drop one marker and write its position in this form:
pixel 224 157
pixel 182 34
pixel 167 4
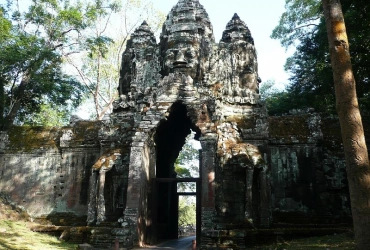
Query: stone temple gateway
pixel 188 82
pixel 117 176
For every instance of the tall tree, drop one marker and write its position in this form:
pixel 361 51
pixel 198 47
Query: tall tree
pixel 32 59
pixel 5 28
pixel 299 19
pixel 309 67
pixel 99 70
pixel 97 46
pixel 356 154
pixel 187 211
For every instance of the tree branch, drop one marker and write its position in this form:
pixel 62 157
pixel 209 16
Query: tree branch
pixel 102 113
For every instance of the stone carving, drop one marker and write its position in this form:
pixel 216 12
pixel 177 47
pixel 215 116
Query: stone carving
pixel 66 138
pixel 139 73
pixel 96 208
pixel 185 40
pixel 218 84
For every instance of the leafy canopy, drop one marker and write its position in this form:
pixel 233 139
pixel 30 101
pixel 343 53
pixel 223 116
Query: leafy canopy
pixel 34 45
pixel 311 81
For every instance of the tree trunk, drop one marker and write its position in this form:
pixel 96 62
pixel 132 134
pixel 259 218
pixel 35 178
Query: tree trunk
pixel 18 95
pixel 356 154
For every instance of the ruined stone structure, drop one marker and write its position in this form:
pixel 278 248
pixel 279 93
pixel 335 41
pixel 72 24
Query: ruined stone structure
pixel 117 176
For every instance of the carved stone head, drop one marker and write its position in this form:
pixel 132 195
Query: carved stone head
pixel 186 39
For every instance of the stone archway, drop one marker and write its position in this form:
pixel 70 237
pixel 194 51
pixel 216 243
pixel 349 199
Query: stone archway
pixel 169 138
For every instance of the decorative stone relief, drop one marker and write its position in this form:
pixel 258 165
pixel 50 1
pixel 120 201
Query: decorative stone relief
pixel 96 208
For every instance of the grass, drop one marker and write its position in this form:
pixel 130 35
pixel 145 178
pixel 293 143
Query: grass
pixel 15 233
pixel 329 242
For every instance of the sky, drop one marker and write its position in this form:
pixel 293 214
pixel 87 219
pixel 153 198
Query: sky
pixel 261 17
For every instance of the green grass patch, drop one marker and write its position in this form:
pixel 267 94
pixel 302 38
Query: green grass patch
pixel 16 235
pixel 329 242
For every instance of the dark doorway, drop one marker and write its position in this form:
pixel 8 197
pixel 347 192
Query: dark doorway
pixel 170 138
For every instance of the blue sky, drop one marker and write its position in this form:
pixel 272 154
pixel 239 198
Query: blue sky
pixel 261 16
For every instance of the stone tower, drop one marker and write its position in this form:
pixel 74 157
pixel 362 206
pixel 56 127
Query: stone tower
pixel 187 83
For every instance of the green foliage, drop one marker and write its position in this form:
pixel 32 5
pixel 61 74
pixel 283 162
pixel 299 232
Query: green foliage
pixel 187 211
pixel 279 103
pixel 187 165
pixel 267 89
pixel 188 155
pixel 32 56
pixel 98 46
pixel 299 19
pixel 106 39
pixel 5 26
pixel 182 172
pixel 34 46
pixel 311 82
pixel 48 115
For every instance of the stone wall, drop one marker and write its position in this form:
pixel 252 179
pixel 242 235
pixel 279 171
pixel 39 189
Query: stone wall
pixel 44 174
pixel 48 171
pixel 307 166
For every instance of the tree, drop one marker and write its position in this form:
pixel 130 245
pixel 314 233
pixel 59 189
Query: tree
pixel 187 211
pixel 356 154
pixel 101 65
pixel 49 115
pixel 309 67
pixel 97 46
pixel 277 101
pixel 5 28
pixel 300 19
pixel 187 165
pixel 32 58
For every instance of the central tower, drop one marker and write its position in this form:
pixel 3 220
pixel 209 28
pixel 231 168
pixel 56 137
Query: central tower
pixel 189 82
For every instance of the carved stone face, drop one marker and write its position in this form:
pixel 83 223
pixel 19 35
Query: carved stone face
pixel 185 31
pixel 182 59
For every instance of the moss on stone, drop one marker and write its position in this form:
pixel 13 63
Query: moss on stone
pixel 86 130
pixel 243 122
pixel 27 139
pixel 289 126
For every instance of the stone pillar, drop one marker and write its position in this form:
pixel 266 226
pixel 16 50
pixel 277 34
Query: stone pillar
pixel 208 159
pixel 4 141
pixel 91 209
pixel 248 211
pixel 131 213
pixel 100 206
pixel 265 191
pixel 134 176
pixel 207 174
